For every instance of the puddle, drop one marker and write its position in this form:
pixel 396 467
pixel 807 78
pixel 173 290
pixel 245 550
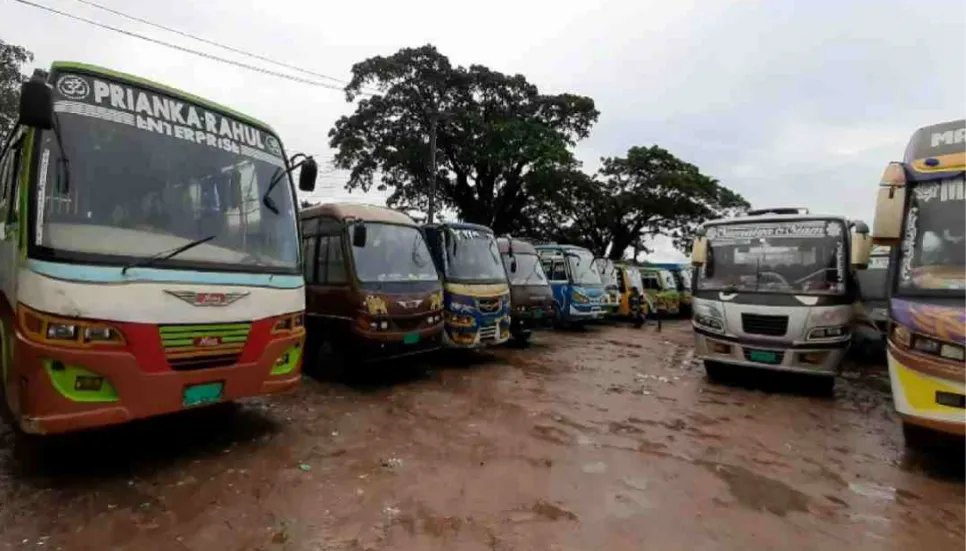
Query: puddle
pixel 595 468
pixel 873 491
pixel 759 492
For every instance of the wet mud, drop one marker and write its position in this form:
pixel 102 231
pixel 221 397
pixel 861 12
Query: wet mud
pixel 603 438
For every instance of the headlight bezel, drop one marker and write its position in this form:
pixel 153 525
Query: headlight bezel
pixel 901 336
pixel 828 333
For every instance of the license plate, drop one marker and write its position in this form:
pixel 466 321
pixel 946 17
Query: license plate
pixel 763 356
pixel 199 395
pixel 411 338
pixel 951 399
pixel 538 314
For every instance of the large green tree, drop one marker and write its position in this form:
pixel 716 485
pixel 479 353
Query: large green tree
pixel 647 193
pixel 493 131
pixel 12 59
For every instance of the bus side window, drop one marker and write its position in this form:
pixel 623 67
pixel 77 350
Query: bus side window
pixel 321 260
pixel 9 190
pixel 335 264
pixel 309 249
pixel 559 271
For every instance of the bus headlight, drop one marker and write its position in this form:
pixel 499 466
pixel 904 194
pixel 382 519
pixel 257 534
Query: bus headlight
pixel 61 332
pixel 833 332
pixel 707 322
pixel 901 335
pixel 952 352
pixel 580 298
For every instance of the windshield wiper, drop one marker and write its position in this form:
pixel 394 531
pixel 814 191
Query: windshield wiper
pixel 164 255
pixel 62 161
pixel 266 200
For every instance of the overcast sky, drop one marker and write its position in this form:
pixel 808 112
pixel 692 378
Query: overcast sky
pixel 790 103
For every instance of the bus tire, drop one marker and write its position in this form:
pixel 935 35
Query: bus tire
pixel 824 386
pixel 714 370
pixel 330 360
pixel 916 437
pixel 522 338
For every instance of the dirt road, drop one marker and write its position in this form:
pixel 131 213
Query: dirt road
pixel 607 439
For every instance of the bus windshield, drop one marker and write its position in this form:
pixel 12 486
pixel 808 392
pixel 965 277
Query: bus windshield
pixel 136 185
pixel 607 271
pixel 796 257
pixel 529 270
pixel 473 255
pixel 393 253
pixel 635 276
pixel 582 271
pixel 932 255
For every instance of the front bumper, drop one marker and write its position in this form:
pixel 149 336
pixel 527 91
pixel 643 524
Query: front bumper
pixel 488 333
pixel 43 409
pixel 917 387
pixel 819 359
pixel 369 347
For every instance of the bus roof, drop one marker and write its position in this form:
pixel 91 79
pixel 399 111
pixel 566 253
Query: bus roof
pixel 366 213
pixel 776 218
pixel 117 75
pixel 459 226
pixel 564 247
pixel 519 246
pixel 937 149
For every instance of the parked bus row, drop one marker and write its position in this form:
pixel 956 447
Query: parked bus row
pixel 154 259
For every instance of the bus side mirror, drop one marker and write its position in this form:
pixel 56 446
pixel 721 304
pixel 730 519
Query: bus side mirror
pixel 889 204
pixel 308 174
pixel 359 235
pixel 36 104
pixel 699 251
pixel 861 245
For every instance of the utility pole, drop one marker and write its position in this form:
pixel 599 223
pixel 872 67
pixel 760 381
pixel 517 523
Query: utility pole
pixel 434 119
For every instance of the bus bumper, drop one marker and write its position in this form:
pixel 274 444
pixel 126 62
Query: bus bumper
pixel 823 360
pixel 44 406
pixel 927 392
pixel 477 336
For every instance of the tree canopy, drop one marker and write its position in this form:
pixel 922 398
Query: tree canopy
pixel 11 59
pixel 505 157
pixel 493 132
pixel 646 193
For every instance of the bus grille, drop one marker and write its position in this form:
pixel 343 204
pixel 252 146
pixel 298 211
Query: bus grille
pixel 488 305
pixel 189 347
pixel 489 333
pixel 757 324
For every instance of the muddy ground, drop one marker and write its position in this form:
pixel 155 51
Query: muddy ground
pixel 610 438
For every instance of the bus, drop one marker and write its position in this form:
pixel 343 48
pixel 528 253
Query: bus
pixel 530 292
pixel 609 276
pixel 476 291
pixel 150 253
pixel 661 288
pixel 372 290
pixel 775 290
pixel 682 282
pixel 578 291
pixel 920 213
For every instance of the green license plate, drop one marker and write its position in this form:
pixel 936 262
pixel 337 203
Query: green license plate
pixel 763 356
pixel 411 338
pixel 538 314
pixel 199 395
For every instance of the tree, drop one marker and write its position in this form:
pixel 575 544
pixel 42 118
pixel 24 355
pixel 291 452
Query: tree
pixel 11 59
pixel 647 193
pixel 492 130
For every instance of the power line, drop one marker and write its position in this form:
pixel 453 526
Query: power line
pixel 182 48
pixel 211 42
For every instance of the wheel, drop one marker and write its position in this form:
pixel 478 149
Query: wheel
pixel 522 338
pixel 916 437
pixel 824 386
pixel 714 370
pixel 330 361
